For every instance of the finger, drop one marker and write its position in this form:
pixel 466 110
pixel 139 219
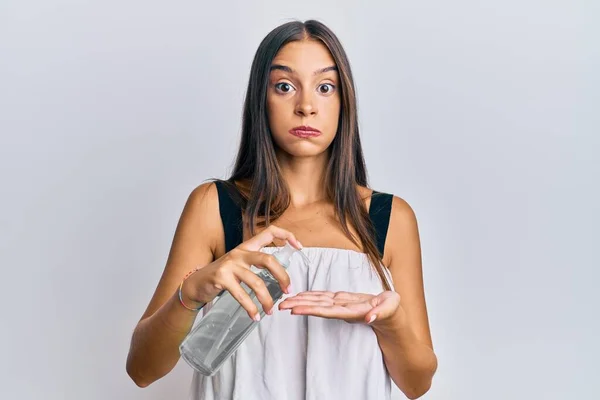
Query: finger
pixel 258 286
pixel 313 297
pixel 342 296
pixel 269 262
pixel 291 303
pixel 384 305
pixel 242 297
pixel 332 312
pixel 267 236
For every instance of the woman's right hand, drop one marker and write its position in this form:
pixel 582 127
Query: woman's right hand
pixel 231 269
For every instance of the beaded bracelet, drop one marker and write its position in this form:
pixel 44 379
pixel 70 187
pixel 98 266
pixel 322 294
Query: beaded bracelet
pixel 181 296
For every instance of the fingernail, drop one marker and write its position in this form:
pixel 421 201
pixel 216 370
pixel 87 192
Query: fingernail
pixel 257 317
pixel 270 312
pixel 372 318
pixel 288 289
pixel 299 244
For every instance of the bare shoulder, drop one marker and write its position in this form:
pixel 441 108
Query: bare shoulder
pixel 203 198
pixel 403 215
pixel 402 234
pixel 201 213
pixel 403 247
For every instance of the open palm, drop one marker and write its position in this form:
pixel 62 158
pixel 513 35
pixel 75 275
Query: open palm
pixel 350 307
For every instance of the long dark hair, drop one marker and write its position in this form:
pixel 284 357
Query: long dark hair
pixel 265 195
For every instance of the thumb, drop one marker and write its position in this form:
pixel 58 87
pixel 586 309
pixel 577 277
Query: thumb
pixel 267 236
pixel 384 305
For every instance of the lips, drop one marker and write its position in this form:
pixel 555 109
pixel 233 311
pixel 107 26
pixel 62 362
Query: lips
pixel 305 131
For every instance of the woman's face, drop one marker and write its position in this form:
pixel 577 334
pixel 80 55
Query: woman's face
pixel 303 99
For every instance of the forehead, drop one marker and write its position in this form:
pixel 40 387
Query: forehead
pixel 304 56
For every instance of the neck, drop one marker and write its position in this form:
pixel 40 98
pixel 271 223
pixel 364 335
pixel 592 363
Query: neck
pixel 305 177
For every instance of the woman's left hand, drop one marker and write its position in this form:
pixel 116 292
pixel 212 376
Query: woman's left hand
pixel 350 307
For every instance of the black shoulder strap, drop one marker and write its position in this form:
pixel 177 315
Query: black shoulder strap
pixel 231 216
pixel 380 211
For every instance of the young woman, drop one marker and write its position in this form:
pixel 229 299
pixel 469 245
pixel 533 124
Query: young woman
pixel 354 316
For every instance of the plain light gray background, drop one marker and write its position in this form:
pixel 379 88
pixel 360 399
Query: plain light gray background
pixel 484 116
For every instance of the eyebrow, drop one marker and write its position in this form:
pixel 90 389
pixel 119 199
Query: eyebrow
pixel 285 68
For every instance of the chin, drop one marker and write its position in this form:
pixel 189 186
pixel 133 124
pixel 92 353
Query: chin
pixel 303 147
pixel 303 151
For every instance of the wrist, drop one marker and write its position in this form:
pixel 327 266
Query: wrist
pixel 392 323
pixel 396 329
pixel 187 294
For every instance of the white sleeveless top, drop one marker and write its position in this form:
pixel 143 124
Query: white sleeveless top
pixel 297 357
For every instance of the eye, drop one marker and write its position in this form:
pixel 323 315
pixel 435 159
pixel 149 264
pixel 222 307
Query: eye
pixel 284 87
pixel 326 88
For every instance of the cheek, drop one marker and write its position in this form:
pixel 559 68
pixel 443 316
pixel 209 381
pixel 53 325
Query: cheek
pixel 278 120
pixel 276 111
pixel 272 113
pixel 332 112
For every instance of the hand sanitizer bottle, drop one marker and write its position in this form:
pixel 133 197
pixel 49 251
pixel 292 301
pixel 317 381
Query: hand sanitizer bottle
pixel 220 332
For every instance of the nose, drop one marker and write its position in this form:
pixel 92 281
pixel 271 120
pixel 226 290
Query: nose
pixel 306 105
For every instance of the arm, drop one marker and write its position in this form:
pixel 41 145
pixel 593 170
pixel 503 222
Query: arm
pixel 155 341
pixel 404 337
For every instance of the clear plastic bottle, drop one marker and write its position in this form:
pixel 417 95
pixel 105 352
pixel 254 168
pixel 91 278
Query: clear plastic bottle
pixel 220 332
